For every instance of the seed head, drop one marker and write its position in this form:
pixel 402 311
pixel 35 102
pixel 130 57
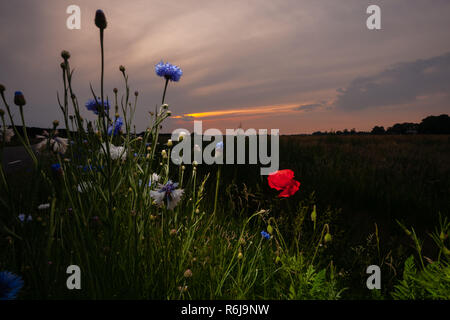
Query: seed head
pixel 65 55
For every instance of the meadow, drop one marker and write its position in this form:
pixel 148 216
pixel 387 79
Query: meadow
pixel 140 227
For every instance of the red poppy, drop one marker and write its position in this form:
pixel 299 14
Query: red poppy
pixel 283 180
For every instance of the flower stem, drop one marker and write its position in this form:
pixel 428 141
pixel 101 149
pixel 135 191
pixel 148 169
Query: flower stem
pixel 165 90
pixel 217 188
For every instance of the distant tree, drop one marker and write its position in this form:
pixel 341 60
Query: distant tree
pixel 403 128
pixel 378 130
pixel 435 125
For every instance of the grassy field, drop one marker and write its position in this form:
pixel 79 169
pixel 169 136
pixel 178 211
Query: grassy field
pixel 359 186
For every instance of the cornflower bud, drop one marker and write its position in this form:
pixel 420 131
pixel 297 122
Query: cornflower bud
pixel 100 19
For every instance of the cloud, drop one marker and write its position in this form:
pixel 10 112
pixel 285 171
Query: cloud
pixel 308 107
pixel 403 83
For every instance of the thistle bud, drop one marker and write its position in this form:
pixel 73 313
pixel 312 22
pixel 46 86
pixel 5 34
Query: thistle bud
pixel 100 19
pixel 19 99
pixel 173 232
pixel 188 273
pixel 55 123
pixel 65 55
pixel 115 90
pixel 165 106
pixel 122 69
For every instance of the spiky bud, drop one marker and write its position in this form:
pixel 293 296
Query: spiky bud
pixel 122 69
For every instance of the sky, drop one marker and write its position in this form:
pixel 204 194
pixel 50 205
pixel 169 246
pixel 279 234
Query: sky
pixel 295 65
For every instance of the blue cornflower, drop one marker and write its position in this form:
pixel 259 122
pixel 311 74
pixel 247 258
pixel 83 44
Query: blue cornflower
pixel 56 167
pixel 22 217
pixel 10 285
pixel 265 234
pixel 168 71
pixel 219 145
pixel 95 107
pixel 169 193
pixel 115 127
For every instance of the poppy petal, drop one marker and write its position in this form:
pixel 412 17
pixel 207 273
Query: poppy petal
pixel 290 189
pixel 280 179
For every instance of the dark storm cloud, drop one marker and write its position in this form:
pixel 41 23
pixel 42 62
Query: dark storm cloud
pixel 400 84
